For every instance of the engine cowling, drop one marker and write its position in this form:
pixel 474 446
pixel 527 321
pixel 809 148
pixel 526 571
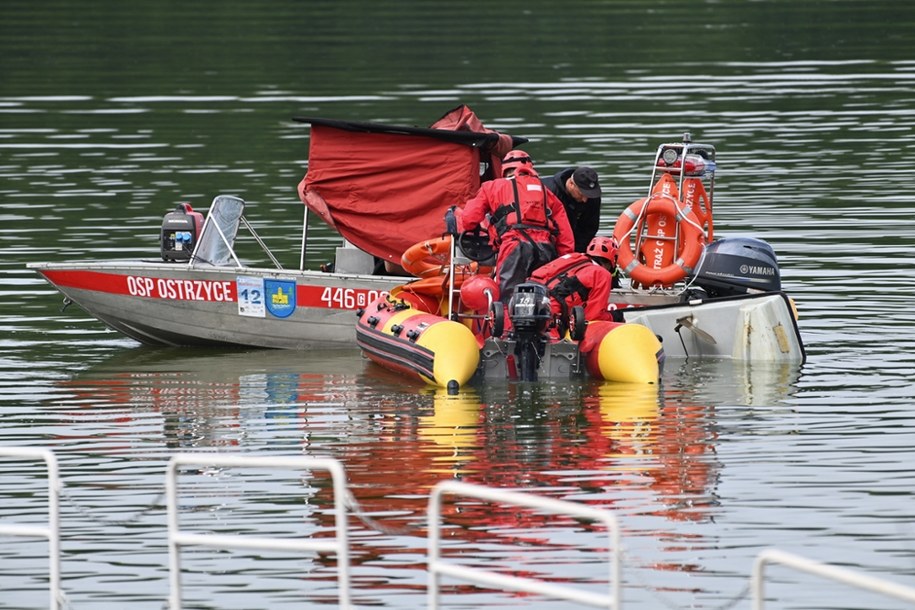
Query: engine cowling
pixel 738 265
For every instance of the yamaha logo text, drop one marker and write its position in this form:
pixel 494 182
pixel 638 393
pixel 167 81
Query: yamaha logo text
pixel 754 270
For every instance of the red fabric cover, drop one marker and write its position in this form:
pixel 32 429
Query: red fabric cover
pixel 463 118
pixel 384 191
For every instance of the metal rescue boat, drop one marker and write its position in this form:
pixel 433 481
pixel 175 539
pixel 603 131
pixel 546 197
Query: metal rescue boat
pixel 381 187
pixel 704 296
pixel 200 293
pixel 172 305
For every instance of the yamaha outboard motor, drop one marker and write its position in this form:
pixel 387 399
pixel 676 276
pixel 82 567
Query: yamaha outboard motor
pixel 529 311
pixel 738 265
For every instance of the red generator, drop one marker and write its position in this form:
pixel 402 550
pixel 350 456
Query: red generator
pixel 180 231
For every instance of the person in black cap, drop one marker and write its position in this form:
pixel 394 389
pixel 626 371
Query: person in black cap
pixel 579 191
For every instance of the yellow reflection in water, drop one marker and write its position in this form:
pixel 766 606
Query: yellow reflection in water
pixel 629 415
pixel 451 429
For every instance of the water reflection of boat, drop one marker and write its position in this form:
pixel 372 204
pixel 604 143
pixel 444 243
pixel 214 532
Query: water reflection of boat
pixel 669 444
pixel 203 396
pixel 216 364
pixel 733 382
pixel 599 437
pixel 626 446
pixel 262 373
pixel 450 429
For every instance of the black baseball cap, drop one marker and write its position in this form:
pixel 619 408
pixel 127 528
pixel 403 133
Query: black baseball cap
pixel 586 180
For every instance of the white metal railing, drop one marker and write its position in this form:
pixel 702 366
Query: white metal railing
pixel 52 531
pixel 437 567
pixel 841 575
pixel 177 538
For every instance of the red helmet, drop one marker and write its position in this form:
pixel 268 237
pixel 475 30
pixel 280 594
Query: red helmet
pixel 605 248
pixel 519 162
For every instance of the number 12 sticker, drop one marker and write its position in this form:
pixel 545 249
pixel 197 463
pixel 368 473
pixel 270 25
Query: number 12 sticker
pixel 250 292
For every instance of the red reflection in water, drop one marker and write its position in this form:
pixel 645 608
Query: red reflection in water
pixel 616 443
pixel 616 446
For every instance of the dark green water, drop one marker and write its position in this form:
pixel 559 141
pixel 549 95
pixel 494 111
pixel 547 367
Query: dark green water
pixel 110 113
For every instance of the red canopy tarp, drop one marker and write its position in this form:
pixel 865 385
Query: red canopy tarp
pixel 383 187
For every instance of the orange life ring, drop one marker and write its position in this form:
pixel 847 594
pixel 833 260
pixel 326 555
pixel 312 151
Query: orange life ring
pixel 665 269
pixel 659 251
pixel 432 258
pixel 427 258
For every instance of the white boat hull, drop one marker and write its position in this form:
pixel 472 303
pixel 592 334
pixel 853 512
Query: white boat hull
pixel 753 327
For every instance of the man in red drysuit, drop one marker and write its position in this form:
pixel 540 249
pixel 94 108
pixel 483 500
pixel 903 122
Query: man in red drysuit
pixel 527 221
pixel 582 279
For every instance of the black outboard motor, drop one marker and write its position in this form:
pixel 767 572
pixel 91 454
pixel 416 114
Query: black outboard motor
pixel 738 265
pixel 529 312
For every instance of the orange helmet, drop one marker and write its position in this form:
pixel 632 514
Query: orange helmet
pixel 605 248
pixel 517 162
